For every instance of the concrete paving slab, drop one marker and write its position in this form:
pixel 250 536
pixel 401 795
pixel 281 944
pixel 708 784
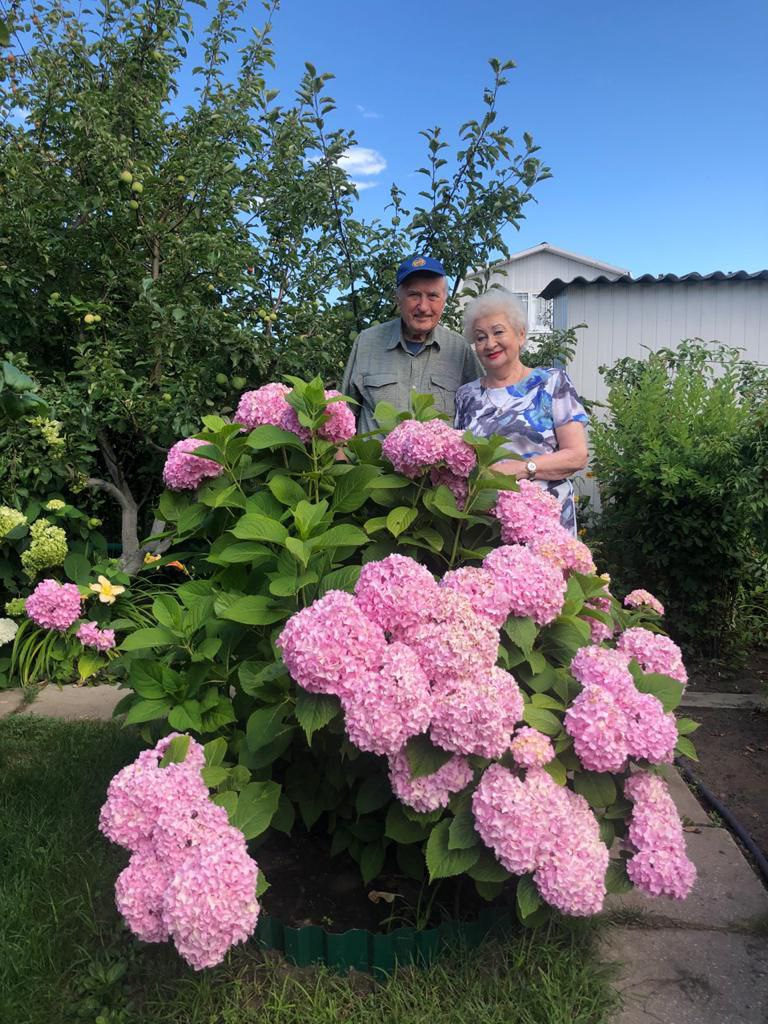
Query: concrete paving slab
pixel 745 701
pixel 689 977
pixel 75 702
pixel 688 806
pixel 727 894
pixel 10 700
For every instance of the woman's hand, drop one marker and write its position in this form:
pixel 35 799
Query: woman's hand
pixel 510 467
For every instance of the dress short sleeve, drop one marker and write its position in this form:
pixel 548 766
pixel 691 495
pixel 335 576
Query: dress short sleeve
pixel 566 405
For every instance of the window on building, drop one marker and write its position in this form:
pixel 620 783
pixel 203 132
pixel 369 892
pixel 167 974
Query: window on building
pixel 538 311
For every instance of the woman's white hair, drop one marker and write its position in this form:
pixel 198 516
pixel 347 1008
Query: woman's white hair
pixel 495 300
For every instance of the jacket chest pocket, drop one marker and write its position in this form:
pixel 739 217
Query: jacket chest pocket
pixel 444 387
pixel 380 387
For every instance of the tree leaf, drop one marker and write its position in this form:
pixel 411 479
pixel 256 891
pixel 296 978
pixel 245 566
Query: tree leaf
pixel 255 526
pixel 400 518
pixel 400 827
pixel 374 792
pixel 669 691
pixel 522 631
pixel 372 860
pixel 343 536
pixel 273 437
pixel 541 719
pixel 251 610
pixel 286 490
pixel 176 751
pixel 146 637
pixel 462 834
pixel 148 711
pixel 686 748
pixel 340 579
pixel 616 878
pixel 526 897
pixel 350 492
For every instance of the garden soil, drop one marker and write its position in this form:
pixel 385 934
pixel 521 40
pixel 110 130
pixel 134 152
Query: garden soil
pixel 733 744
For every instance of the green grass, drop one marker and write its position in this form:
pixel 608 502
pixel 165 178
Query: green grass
pixel 67 957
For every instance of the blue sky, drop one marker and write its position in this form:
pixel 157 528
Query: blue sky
pixel 652 117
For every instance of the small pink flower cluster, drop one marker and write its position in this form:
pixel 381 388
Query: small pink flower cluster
pixel 428 792
pixel 184 471
pixel 654 652
pixel 660 867
pixel 405 656
pixel 644 598
pixel 536 826
pixel 531 748
pixel 526 514
pixel 267 405
pixel 536 587
pixel 611 720
pixel 413 447
pixel 90 635
pixel 189 877
pixel 489 594
pixel 54 605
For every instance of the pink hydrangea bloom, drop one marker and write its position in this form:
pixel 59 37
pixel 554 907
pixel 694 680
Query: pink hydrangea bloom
pixel 564 550
pixel 184 471
pixel 660 866
pixel 571 873
pixel 537 587
pixel 341 424
pixel 536 825
pixel 644 598
pixel 451 641
pixel 386 708
pixel 456 484
pixel 395 592
pixel 54 605
pixel 90 635
pixel 327 646
pixel 488 593
pixel 139 892
pixel 531 748
pixel 654 651
pixel 428 792
pixel 650 731
pixel 526 514
pixel 601 666
pixel 598 727
pixel 264 406
pixel 477 716
pixel 190 877
pixel 413 447
pixel 210 903
pixel 140 792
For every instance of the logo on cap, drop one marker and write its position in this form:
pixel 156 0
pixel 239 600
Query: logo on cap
pixel 418 262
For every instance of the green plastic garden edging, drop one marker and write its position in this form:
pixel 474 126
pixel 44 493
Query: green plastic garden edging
pixel 376 951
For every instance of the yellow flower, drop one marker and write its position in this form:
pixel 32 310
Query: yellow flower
pixel 177 565
pixel 149 558
pixel 108 592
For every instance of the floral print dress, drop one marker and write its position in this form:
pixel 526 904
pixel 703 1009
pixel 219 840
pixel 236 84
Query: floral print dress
pixel 527 414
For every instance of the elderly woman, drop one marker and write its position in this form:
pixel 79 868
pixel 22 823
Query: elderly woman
pixel 537 410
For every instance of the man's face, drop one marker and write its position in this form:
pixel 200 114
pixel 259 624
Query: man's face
pixel 421 301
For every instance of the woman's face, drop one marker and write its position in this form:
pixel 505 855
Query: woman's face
pixel 497 343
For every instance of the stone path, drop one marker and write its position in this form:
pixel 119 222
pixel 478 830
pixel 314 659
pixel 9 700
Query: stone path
pixel 746 701
pixel 700 961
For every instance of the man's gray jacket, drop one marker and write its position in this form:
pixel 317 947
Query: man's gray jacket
pixel 381 369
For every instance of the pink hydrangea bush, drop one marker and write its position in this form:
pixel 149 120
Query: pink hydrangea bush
pixel 189 878
pixel 185 471
pixel 90 635
pixel 489 593
pixel 268 405
pixel 659 866
pixel 531 748
pixel 54 605
pixel 526 514
pixel 476 716
pixel 414 447
pixel 395 593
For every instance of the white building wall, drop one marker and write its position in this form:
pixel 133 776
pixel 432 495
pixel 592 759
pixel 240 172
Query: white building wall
pixel 533 273
pixel 626 320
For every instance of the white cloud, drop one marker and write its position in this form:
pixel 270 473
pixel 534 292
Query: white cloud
pixel 361 186
pixel 367 113
pixel 363 161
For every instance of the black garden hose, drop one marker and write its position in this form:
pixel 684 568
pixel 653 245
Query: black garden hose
pixel 733 823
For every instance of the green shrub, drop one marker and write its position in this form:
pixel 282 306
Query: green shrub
pixel 682 465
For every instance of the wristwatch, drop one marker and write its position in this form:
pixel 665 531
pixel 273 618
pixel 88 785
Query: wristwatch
pixel 530 469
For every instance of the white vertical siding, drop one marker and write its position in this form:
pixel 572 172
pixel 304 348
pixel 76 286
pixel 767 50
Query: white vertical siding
pixel 533 273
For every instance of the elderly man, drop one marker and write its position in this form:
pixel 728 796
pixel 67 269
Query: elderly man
pixel 413 354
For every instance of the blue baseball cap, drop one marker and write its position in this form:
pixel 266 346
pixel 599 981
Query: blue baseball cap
pixel 419 265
